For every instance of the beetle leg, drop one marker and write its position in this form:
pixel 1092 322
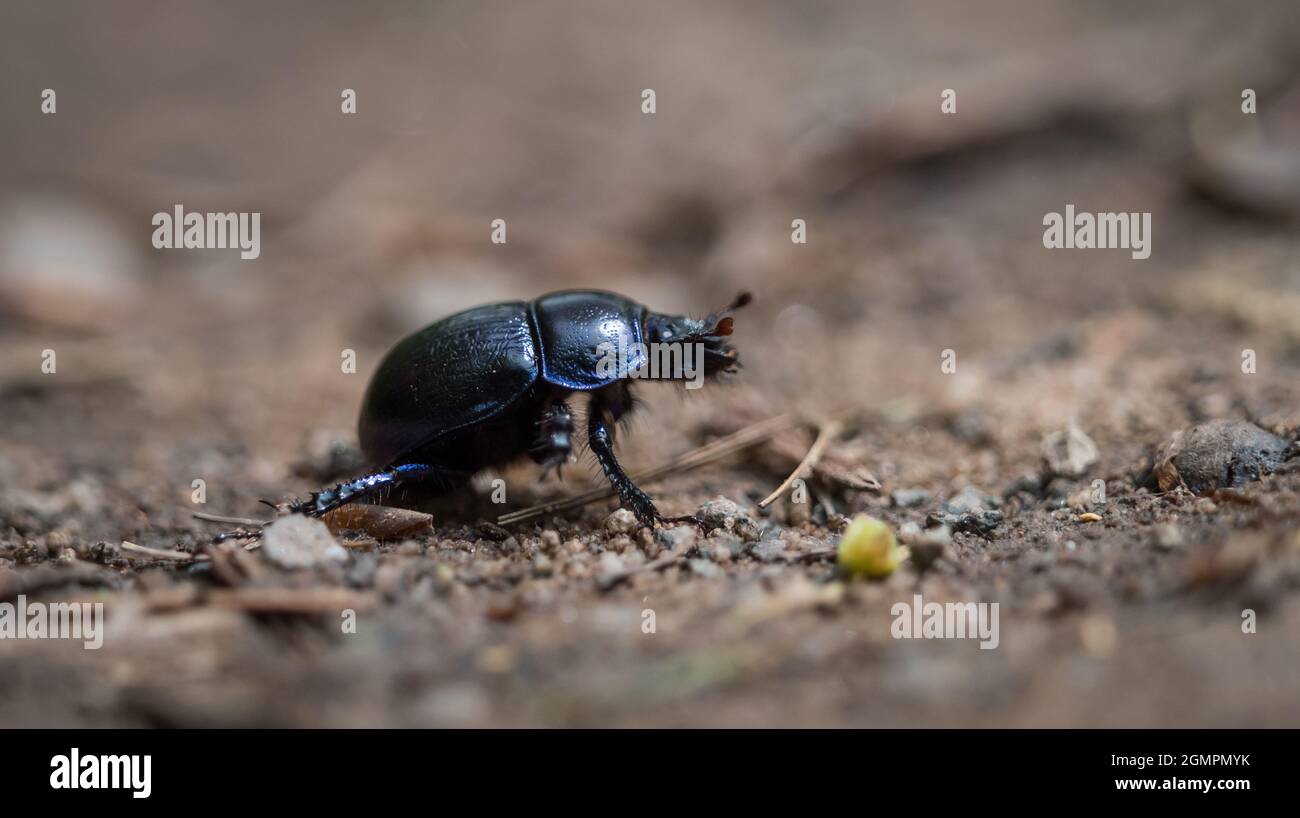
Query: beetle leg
pixel 320 503
pixel 634 499
pixel 600 439
pixel 252 534
pixel 323 502
pixel 555 438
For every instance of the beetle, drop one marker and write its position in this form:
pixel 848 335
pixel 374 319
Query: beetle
pixel 490 384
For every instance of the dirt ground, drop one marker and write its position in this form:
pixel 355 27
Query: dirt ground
pixel 923 310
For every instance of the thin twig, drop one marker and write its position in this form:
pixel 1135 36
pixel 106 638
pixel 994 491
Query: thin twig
pixel 290 600
pixel 715 450
pixel 825 435
pixel 158 553
pixel 217 518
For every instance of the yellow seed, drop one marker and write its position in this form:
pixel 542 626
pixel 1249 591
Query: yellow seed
pixel 869 547
pixel 1089 517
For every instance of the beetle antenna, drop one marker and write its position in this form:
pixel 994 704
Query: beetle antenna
pixel 720 323
pixel 743 299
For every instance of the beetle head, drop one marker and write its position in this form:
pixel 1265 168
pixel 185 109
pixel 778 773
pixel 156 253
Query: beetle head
pixel 711 331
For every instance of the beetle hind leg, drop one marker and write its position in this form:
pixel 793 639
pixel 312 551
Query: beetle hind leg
pixel 322 502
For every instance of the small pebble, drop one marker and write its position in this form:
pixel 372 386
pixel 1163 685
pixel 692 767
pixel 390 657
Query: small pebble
pixel 621 521
pixel 1218 454
pixel 1069 452
pixel 716 512
pixel 982 523
pixel 300 542
pixel 104 552
pixel 747 529
pixel 1168 536
pixel 410 548
pixel 910 498
pixel 733 544
pixel 611 569
pixel 541 565
pixel 926 546
pixel 768 550
pixel 492 531
pixel 723 513
pixel 679 538
pixel 704 568
pixel 969 500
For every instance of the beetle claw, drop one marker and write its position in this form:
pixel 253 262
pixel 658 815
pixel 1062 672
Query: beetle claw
pixel 237 534
pixel 689 519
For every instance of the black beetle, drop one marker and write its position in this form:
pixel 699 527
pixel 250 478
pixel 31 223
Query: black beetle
pixel 485 386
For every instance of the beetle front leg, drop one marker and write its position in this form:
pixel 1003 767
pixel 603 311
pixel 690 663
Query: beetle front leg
pixel 603 412
pixel 601 441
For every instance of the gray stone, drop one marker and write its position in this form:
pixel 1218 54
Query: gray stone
pixel 621 521
pixel 301 542
pixel 1069 452
pixel 1219 454
pixel 910 498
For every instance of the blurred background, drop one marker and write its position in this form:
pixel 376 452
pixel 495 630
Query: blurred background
pixel 924 234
